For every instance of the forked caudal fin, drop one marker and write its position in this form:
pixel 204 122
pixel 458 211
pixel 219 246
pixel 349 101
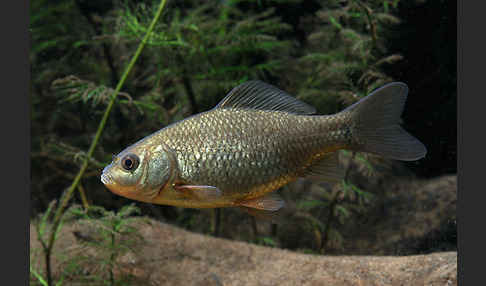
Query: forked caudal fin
pixel 376 124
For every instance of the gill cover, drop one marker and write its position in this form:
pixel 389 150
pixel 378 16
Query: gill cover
pixel 159 170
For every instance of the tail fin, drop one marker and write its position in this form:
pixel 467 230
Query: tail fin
pixel 376 121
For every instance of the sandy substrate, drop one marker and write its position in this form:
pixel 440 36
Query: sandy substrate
pixel 173 256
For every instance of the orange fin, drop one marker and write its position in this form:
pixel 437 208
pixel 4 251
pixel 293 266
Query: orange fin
pixel 201 192
pixel 270 202
pixel 275 217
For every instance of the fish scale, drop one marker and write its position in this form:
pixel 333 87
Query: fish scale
pixel 264 150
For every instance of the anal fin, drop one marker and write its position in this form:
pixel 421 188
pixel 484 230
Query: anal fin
pixel 275 217
pixel 270 202
pixel 326 169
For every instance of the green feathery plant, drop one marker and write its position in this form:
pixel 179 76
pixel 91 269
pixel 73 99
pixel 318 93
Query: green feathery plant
pixel 345 53
pixel 41 226
pixel 207 49
pixel 203 51
pixel 339 203
pixel 105 236
pixel 197 52
pixel 49 243
pixel 58 36
pixel 344 62
pixel 102 237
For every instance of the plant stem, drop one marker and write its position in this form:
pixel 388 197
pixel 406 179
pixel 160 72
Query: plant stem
pixel 67 197
pixel 254 228
pixel 47 257
pixel 216 222
pixel 106 47
pixel 274 229
pixel 84 199
pixel 372 24
pixel 332 207
pixel 187 85
pixel 112 259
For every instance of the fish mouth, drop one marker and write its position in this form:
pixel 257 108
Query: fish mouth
pixel 106 179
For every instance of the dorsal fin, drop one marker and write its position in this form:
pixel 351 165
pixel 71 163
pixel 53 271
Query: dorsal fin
pixel 259 95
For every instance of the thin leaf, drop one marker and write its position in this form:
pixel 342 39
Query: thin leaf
pixel 38 276
pixel 342 210
pixel 334 22
pixel 269 241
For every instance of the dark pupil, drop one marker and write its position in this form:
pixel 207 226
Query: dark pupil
pixel 128 163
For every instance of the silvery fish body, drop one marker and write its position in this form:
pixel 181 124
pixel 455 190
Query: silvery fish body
pixel 255 141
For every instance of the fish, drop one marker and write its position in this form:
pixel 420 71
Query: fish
pixel 256 140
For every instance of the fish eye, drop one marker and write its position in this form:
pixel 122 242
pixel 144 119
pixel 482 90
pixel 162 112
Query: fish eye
pixel 130 162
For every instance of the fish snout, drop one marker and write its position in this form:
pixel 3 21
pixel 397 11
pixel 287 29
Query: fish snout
pixel 106 179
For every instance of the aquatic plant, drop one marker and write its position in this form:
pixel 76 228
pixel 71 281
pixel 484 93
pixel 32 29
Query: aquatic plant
pixel 57 220
pixel 197 52
pixel 102 237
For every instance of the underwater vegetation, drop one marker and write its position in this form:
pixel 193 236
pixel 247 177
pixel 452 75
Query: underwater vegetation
pixel 106 73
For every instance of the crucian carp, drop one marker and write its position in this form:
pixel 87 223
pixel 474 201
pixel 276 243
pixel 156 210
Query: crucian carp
pixel 256 140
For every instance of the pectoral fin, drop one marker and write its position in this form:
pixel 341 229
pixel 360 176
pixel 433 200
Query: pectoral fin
pixel 270 202
pixel 200 192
